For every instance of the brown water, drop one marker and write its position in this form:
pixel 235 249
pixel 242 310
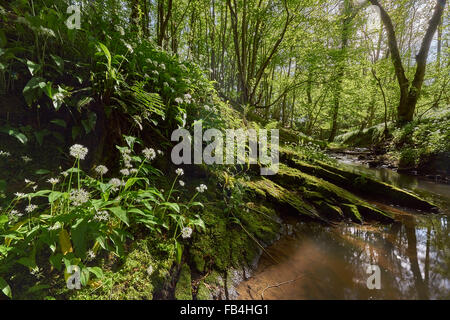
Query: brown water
pixel 330 262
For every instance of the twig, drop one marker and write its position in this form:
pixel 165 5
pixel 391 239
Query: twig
pixel 279 284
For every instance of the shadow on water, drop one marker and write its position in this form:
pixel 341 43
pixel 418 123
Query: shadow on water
pixel 330 262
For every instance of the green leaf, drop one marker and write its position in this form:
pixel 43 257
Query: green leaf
pixel 6 289
pixel 79 237
pixel 76 131
pixel 34 89
pixel 97 271
pixel 33 67
pixel 42 171
pixel 59 122
pixel 174 206
pixel 179 251
pixel 58 61
pixel 120 213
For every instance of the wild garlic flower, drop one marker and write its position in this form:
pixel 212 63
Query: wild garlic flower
pixel 179 100
pixel 179 172
pixel 53 181
pixel 187 96
pixel 116 183
pixel 186 232
pixel 101 170
pixel 149 153
pixel 181 183
pixel 37 272
pixel 27 181
pixel 202 188
pixel 101 216
pixel 125 172
pixel 90 255
pixel 20 195
pixel 30 208
pixel 207 108
pixel 78 151
pixel 79 196
pixel 4 154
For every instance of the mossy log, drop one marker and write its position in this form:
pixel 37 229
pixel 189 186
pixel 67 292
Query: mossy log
pixel 356 182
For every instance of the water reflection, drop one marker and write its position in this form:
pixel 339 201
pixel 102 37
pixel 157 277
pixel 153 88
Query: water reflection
pixel 320 262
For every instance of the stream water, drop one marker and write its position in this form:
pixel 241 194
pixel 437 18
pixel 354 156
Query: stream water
pixel 315 261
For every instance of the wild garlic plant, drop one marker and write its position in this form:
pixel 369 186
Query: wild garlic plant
pixel 79 216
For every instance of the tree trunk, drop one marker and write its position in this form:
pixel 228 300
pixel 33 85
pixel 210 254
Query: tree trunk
pixel 410 92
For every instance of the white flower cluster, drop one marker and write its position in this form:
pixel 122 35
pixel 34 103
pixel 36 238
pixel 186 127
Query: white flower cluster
pixel 101 216
pixel 90 255
pixel 30 208
pixel 181 183
pixel 116 183
pixel 186 232
pixel 126 158
pixel 53 181
pixel 202 188
pixel 78 151
pixel 149 153
pixel 79 196
pixel 4 154
pixel 179 100
pixel 179 172
pixel 125 172
pixel 101 170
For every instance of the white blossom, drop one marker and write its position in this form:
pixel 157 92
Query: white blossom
pixel 30 208
pixel 202 188
pixel 186 232
pixel 179 172
pixel 149 153
pixel 53 181
pixel 101 216
pixel 20 195
pixel 101 170
pixel 179 100
pixel 78 151
pixel 79 196
pixel 125 172
pixel 181 183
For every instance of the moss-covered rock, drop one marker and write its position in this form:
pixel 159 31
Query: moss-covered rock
pixel 203 292
pixel 183 288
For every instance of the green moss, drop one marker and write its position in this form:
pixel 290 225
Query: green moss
pixel 203 292
pixel 145 270
pixel 183 289
pixel 280 195
pixel 197 260
pixel 334 194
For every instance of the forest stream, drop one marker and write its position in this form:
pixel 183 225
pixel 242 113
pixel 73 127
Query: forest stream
pixel 316 261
